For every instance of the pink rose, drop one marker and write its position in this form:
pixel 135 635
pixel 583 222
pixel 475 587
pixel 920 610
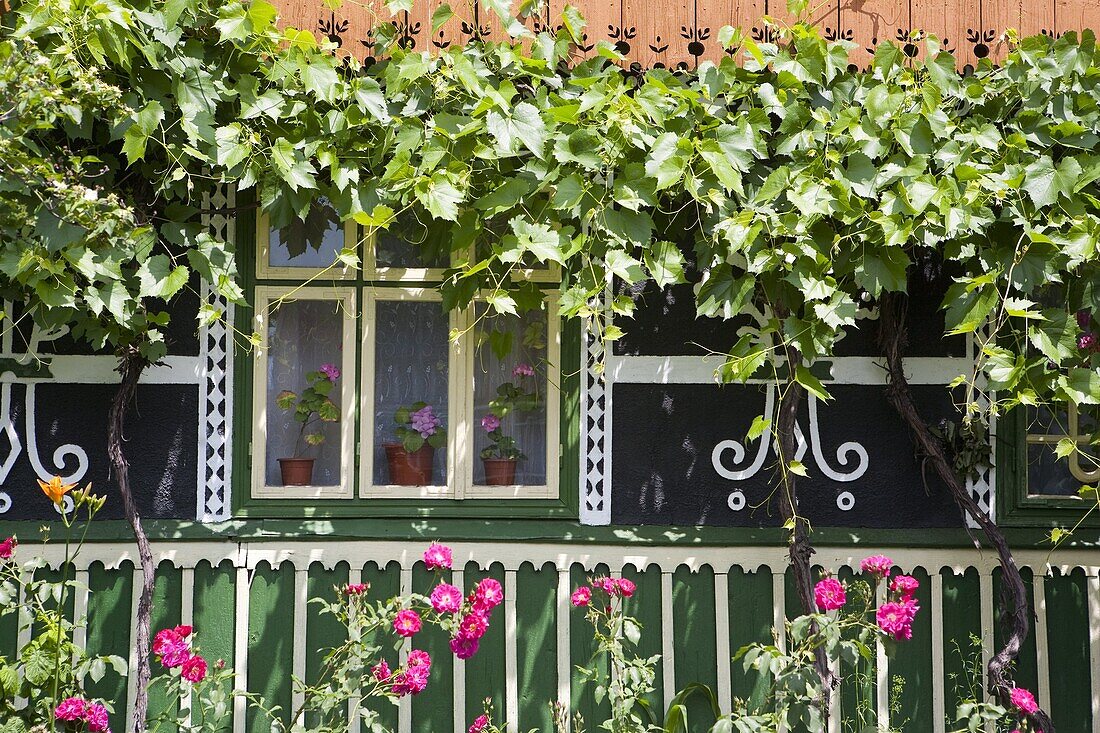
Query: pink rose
pixel 581 596
pixel 480 723
pixel 71 708
pixel 194 669
pixel 464 647
pixel 906 585
pixel 407 622
pixel 625 587
pixel 95 715
pixel 896 619
pixel 177 655
pixel 446 598
pixel 355 589
pixel 420 658
pixel 473 625
pixel 381 671
pixel 489 423
pixel 829 594
pixel 438 557
pixel 164 640
pixel 879 565
pixel 488 594
pixel 1023 700
pixel 7 548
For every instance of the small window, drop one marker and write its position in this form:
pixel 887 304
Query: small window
pixel 432 405
pixel 303 248
pixel 304 399
pixel 1049 475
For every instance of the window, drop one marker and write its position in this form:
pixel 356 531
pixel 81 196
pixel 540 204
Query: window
pixel 411 402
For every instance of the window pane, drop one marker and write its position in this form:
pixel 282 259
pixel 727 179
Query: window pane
pixel 510 387
pixel 301 336
pixel 411 352
pixel 1046 473
pixel 312 243
pixel 392 250
pixel 1049 475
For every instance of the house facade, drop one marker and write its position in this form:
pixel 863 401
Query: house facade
pixel 635 461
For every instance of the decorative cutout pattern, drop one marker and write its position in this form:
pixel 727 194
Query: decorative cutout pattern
pixel 216 385
pixel 595 498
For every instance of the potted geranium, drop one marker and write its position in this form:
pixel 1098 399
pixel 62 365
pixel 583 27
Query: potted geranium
pixel 420 431
pixel 310 409
pixel 501 455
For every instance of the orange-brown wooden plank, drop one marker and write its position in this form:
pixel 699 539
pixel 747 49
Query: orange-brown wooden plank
pixel 712 15
pixel 1026 17
pixel 868 23
pixel 604 22
pixel 1076 15
pixel 952 22
pixel 663 30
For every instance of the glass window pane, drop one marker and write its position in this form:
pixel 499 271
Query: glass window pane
pixel 393 250
pixel 312 243
pixel 302 336
pixel 1049 475
pixel 510 393
pixel 411 351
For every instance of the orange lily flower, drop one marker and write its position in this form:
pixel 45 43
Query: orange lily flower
pixel 55 490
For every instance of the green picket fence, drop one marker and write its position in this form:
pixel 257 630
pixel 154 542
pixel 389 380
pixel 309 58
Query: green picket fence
pixel 698 606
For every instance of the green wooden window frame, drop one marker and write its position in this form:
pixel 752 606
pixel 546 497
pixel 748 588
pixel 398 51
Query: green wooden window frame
pixel 1016 505
pixel 565 506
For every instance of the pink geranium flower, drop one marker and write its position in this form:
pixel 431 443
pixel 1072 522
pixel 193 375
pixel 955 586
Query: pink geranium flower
pixel 438 557
pixel 331 372
pixel 879 565
pixel 407 622
pixel 71 708
pixel 446 598
pixel 829 594
pixel 581 596
pixel 489 423
pixel 194 669
pixel 523 370
pixel 1023 700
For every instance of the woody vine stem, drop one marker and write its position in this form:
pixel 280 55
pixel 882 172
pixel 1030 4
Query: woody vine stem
pixel 1015 610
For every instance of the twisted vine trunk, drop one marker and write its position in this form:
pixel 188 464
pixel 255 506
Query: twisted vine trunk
pixel 1016 611
pixel 800 550
pixel 131 365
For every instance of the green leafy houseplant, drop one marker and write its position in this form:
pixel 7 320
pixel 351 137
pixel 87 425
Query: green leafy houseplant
pixel 420 431
pixel 311 408
pixel 502 453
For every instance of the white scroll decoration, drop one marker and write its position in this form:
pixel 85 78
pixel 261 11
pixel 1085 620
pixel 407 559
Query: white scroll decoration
pixel 849 452
pixel 69 460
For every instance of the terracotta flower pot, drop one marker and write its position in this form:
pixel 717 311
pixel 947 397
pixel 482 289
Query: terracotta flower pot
pixel 499 471
pixel 410 469
pixel 296 471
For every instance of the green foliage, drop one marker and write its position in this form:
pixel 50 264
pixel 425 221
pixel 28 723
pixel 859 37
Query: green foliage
pixel 311 408
pixel 50 666
pixel 804 188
